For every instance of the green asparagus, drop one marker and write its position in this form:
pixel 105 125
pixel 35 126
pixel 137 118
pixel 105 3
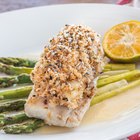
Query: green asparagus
pixel 103 76
pixel 4 113
pixel 25 127
pixel 17 117
pixel 12 80
pixel 18 61
pixel 129 76
pixel 16 93
pixel 1 121
pixel 12 70
pixel 119 67
pixel 111 87
pixel 1 115
pixel 16 104
pixel 114 72
pixel 115 92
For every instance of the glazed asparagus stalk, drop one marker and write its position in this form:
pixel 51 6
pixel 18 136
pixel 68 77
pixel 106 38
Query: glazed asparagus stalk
pixel 17 117
pixel 129 76
pixel 12 80
pixel 12 70
pixel 1 120
pixel 1 115
pixel 108 67
pixel 25 127
pixel 109 73
pixel 111 87
pixel 16 93
pixel 115 92
pixel 114 72
pixel 103 76
pixel 18 61
pixel 16 104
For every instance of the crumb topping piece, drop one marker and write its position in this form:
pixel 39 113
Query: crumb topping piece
pixel 65 73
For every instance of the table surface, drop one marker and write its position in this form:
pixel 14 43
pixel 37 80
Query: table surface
pixel 9 5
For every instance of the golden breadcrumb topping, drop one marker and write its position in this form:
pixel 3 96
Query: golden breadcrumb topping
pixel 65 73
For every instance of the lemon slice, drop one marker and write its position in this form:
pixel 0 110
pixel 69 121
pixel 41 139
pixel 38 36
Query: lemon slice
pixel 122 42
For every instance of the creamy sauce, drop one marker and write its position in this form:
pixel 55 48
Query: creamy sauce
pixel 110 109
pixel 53 130
pixel 114 107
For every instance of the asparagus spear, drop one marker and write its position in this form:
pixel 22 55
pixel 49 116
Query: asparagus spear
pixel 17 61
pixel 103 76
pixel 16 104
pixel 1 115
pixel 129 76
pixel 11 80
pixel 12 70
pixel 115 72
pixel 120 66
pixel 26 127
pixel 13 118
pixel 1 120
pixel 115 92
pixel 4 113
pixel 111 87
pixel 16 93
pixel 3 101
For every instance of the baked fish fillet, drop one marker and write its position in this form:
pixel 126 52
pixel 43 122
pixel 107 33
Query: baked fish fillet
pixel 65 77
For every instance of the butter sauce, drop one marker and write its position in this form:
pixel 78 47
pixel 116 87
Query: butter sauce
pixel 110 109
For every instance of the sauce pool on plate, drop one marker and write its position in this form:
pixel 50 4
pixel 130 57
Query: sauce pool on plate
pixel 108 110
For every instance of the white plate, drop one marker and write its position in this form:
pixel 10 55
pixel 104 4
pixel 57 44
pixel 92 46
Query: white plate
pixel 25 32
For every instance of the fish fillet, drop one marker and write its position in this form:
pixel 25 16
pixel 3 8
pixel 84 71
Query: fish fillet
pixel 64 77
